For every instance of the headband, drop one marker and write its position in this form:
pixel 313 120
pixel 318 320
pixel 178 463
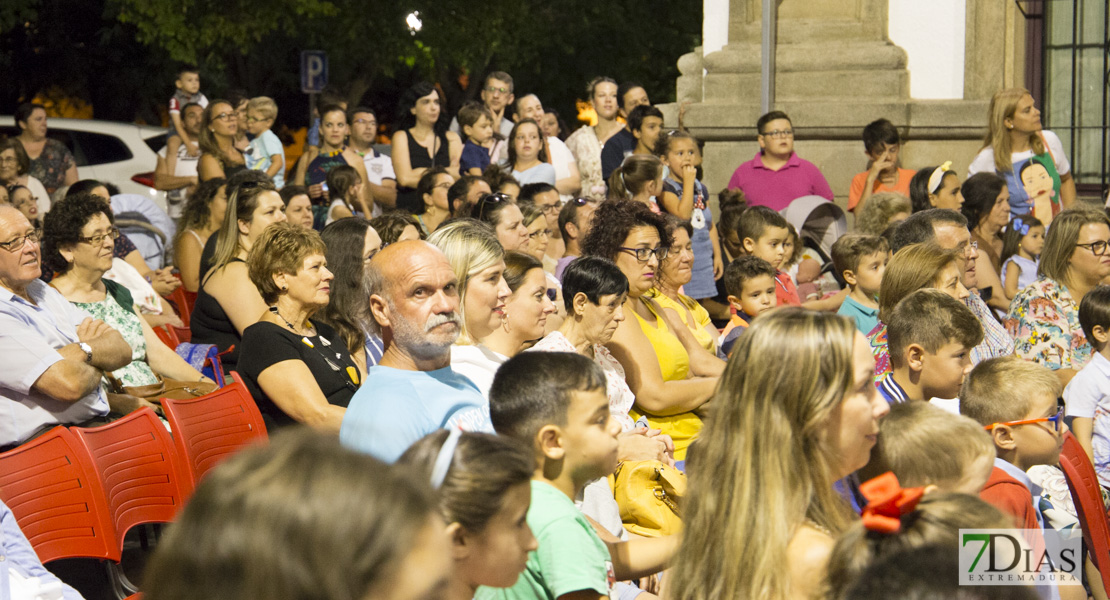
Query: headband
pixel 938 176
pixel 443 459
pixel 887 502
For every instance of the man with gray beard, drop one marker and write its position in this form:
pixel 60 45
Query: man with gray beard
pixel 413 306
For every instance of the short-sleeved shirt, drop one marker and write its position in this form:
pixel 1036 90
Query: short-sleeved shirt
pixel 379 167
pixel 394 408
pixel 259 153
pixel 616 149
pixel 180 99
pixel 996 341
pixel 777 189
pixel 473 157
pixel 701 284
pixel 786 293
pixel 901 185
pixel 865 318
pixel 266 344
pixel 570 557
pixel 117 310
pixel 30 336
pixel 1088 395
pixel 184 166
pixel 51 166
pixel 1044 322
pixel 541 173
pixel 736 327
pixel 1019 199
pixel 586 149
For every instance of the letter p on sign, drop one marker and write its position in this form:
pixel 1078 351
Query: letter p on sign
pixel 314 71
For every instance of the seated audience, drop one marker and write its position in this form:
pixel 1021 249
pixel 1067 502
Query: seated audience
pixel 435 208
pixel 685 197
pixel 1044 317
pixel 502 182
pixel 674 273
pixel 202 216
pixel 882 210
pixel 767 460
pixel 555 403
pixel 527 309
pixel 228 302
pixel 574 223
pixel 671 375
pixel 483 493
pixel 465 193
pixel 298 206
pixel 351 243
pixel 527 159
pixel 881 145
pixel 936 187
pixel 750 283
pixel 297 368
pixel 930 571
pixel 15 167
pixel 345 194
pixel 1088 394
pixel 645 123
pixel 412 391
pixel 54 354
pixel 501 212
pixel 764 233
pixel 397 226
pixel 777 176
pixel 987 208
pixel 421 142
pixel 861 261
pixel 302 517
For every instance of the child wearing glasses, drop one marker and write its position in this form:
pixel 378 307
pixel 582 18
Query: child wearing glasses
pixel 1088 394
pixel 688 199
pixel 1021 252
pixel 265 152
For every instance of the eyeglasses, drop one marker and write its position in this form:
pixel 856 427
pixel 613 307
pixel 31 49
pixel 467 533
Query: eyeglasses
pixel 535 235
pixel 98 239
pixel 551 209
pixel 254 120
pixel 1057 420
pixel 17 244
pixel 8 160
pixel 225 116
pixel 779 133
pixel 497 90
pixel 490 200
pixel 644 254
pixel 1097 248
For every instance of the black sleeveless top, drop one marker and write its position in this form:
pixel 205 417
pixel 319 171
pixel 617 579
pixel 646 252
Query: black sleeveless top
pixel 407 198
pixel 210 324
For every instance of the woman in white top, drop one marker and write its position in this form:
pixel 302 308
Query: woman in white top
pixel 14 166
pixel 1014 140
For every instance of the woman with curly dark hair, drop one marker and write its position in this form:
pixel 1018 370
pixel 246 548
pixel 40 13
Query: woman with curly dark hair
pixel 670 374
pixel 202 216
pixel 351 243
pixel 78 236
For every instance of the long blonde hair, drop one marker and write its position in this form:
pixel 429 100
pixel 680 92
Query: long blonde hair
pixel 241 203
pixel 1003 105
pixel 471 247
pixel 762 467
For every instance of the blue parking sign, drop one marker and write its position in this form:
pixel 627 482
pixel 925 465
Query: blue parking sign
pixel 314 71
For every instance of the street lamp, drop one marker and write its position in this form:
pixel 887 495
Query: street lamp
pixel 414 22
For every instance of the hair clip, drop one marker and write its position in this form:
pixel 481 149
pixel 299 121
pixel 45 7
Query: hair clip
pixel 887 501
pixel 1021 226
pixel 938 176
pixel 443 459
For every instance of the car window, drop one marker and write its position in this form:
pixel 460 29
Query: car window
pixel 156 143
pixel 99 148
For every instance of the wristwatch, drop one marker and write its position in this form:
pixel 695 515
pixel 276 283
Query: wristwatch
pixel 87 349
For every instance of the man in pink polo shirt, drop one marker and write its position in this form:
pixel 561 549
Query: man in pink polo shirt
pixel 776 176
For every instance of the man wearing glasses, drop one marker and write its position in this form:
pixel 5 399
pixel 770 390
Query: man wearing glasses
pixel 777 176
pixel 54 355
pixel 497 94
pixel 379 167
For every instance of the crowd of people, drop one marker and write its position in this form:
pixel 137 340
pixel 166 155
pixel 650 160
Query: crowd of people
pixel 527 321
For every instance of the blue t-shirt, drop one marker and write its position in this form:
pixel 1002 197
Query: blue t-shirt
pixel 473 157
pixel 702 284
pixel 541 173
pixel 259 152
pixel 394 408
pixel 866 319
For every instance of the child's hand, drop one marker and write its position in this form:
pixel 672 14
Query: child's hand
pixel 192 149
pixel 689 174
pixel 884 162
pixel 718 267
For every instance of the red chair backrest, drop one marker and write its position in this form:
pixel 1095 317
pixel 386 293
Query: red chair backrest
pixel 167 335
pixel 183 301
pixel 138 468
pixel 184 334
pixel 210 428
pixel 49 485
pixel 1087 496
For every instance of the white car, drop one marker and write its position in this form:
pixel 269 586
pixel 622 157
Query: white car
pixel 123 154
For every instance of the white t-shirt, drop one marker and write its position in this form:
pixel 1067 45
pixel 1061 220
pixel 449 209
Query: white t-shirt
pixel 984 161
pixel 379 167
pixel 561 159
pixel 478 364
pixel 186 166
pixel 42 198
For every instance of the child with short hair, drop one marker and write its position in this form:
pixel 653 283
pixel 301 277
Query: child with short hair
pixel 188 91
pixel 556 402
pixel 646 123
pixel 881 144
pixel 861 261
pixel 265 152
pixel 763 233
pixel 1022 243
pixel 924 445
pixel 929 336
pixel 687 198
pixel 476 124
pixel 1088 394
pixel 750 285
pixel 345 192
pixel 640 179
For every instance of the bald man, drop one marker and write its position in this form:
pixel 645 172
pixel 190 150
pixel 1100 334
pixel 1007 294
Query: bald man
pixel 414 304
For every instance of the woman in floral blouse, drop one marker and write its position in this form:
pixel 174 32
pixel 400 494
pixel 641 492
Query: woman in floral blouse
pixel 51 162
pixel 1044 317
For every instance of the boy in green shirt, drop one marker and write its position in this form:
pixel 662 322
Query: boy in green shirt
pixel 557 402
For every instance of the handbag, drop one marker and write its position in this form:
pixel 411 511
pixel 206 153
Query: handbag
pixel 165 388
pixel 649 494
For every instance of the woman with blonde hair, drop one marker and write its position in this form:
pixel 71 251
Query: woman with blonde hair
pixel 762 500
pixel 478 261
pixel 1031 159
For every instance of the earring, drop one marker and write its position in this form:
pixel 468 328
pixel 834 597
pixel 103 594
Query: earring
pixel 285 288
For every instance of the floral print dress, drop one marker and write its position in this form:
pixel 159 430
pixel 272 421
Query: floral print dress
pixel 126 322
pixel 1044 322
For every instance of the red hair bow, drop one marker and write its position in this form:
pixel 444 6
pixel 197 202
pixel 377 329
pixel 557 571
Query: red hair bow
pixel 887 502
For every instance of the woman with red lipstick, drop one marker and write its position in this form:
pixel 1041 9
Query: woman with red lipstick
pixel 527 157
pixel 297 368
pixel 668 372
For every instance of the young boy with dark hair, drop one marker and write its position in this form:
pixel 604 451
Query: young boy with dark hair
pixel 476 123
pixel 861 260
pixel 930 336
pixel 188 92
pixel 750 285
pixel 556 402
pixel 881 144
pixel 763 234
pixel 1088 394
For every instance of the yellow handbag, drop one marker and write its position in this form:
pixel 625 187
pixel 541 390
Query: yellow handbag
pixel 649 494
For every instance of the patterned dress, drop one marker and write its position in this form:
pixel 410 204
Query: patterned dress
pixel 126 322
pixel 51 166
pixel 586 148
pixel 620 396
pixel 1044 322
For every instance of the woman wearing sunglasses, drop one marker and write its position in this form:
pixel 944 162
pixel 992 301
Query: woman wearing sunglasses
pixel 670 374
pixel 218 155
pixel 501 212
pixel 1044 317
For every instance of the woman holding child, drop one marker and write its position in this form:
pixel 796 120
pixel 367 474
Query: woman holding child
pixel 765 466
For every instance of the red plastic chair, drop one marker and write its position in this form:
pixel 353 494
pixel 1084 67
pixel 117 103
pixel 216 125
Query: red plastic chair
pixel 211 428
pixel 184 334
pixel 183 301
pixel 167 335
pixel 1087 496
pixel 59 504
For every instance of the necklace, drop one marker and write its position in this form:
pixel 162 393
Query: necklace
pixel 274 309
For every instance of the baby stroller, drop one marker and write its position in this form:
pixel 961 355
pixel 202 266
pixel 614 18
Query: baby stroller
pixel 819 223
